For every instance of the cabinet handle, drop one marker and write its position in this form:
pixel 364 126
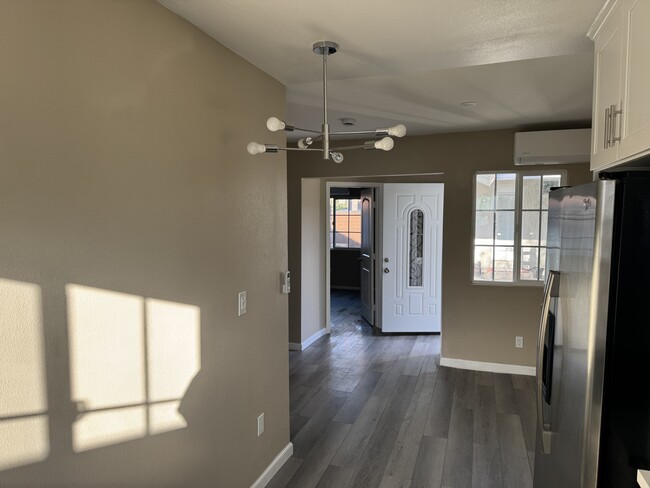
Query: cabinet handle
pixel 614 114
pixel 607 124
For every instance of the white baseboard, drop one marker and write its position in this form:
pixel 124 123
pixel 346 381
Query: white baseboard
pixel 301 346
pixel 489 367
pixel 274 467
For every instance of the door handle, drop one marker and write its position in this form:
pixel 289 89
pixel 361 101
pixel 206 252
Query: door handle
pixel 386 270
pixel 550 290
pixel 606 136
pixel 614 114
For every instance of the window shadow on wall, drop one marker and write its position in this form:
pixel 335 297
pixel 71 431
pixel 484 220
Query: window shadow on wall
pixel 23 398
pixel 131 360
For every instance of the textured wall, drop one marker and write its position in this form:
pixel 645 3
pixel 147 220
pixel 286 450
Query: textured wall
pixel 478 322
pixel 125 189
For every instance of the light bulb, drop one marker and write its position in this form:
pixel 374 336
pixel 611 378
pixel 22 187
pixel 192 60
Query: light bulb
pixel 274 124
pixel 397 131
pixel 385 144
pixel 337 157
pixel 254 148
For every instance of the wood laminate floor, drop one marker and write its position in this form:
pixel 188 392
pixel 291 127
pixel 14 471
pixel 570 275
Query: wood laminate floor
pixel 369 410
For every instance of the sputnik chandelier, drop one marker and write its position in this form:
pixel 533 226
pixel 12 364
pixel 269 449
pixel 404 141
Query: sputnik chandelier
pixel 326 48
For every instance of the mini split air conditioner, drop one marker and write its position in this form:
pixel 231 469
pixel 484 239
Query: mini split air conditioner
pixel 552 147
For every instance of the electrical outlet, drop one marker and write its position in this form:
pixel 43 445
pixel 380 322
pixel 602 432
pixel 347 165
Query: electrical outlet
pixel 241 303
pixel 260 425
pixel 519 342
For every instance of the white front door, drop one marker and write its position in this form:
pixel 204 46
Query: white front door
pixel 412 257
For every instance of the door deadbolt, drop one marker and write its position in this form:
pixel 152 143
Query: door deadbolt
pixel 386 260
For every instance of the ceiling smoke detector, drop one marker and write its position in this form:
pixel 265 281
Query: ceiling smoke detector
pixel 348 121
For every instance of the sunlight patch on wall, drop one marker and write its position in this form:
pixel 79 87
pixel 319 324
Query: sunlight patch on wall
pixel 23 397
pixel 106 427
pixel 164 417
pixel 173 354
pixel 106 337
pixel 23 441
pixel 131 361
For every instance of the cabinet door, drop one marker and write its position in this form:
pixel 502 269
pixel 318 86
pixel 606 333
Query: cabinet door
pixel 634 125
pixel 608 67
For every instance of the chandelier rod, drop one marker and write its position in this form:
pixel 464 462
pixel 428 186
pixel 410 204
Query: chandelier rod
pixel 326 127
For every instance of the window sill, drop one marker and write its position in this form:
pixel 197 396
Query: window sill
pixel 518 284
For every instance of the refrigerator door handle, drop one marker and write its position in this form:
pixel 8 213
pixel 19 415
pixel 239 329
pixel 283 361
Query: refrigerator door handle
pixel 550 290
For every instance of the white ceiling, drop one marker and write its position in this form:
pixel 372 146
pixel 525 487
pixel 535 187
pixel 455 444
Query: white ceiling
pixel 526 63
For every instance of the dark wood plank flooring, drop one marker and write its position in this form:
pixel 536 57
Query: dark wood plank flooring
pixel 369 410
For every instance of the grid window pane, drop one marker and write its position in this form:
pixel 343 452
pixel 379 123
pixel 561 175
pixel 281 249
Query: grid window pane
pixel 483 267
pixel 504 258
pixel 484 228
pixel 505 228
pixel 543 229
pixel 505 191
pixel 549 182
pixel 340 205
pixel 485 184
pixel 531 192
pixel 354 239
pixel 355 222
pixel 529 267
pixel 340 240
pixel 529 228
pixel 342 222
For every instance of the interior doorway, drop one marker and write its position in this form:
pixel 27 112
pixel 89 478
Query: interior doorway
pixel 383 267
pixel 352 249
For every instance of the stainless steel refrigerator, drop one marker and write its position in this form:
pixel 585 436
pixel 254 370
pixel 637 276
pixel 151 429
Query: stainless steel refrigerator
pixel 593 364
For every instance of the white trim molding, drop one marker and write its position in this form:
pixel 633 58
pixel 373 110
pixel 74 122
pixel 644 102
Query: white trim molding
pixel 274 467
pixel 489 367
pixel 301 346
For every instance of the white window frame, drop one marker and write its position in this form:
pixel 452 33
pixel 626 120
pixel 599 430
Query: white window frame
pixel 332 232
pixel 519 178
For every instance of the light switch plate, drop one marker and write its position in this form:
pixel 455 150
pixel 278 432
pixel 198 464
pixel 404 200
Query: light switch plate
pixel 519 342
pixel 241 303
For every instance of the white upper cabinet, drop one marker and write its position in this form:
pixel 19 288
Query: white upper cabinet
pixel 621 108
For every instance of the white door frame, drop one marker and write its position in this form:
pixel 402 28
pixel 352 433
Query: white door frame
pixel 379 207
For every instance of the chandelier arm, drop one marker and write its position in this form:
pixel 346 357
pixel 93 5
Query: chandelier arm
pixel 346 148
pixel 353 132
pixel 299 149
pixel 309 130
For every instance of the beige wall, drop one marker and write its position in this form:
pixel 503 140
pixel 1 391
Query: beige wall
pixel 123 168
pixel 312 292
pixel 478 322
